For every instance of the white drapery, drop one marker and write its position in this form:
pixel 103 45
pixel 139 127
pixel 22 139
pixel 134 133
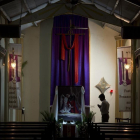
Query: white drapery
pixel 55 103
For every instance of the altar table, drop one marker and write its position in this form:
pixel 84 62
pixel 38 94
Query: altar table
pixel 69 130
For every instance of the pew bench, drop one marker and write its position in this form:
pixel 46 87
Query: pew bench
pixel 115 130
pixel 123 119
pixel 26 130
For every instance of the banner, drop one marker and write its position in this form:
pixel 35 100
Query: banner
pixel 124 78
pixel 14 86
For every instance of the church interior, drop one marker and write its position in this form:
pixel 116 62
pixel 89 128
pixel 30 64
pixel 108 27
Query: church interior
pixel 69 69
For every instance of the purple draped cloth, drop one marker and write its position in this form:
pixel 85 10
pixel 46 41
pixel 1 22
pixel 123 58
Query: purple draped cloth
pixel 128 81
pixel 60 76
pixel 11 57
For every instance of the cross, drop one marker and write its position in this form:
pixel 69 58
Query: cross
pixel 70 33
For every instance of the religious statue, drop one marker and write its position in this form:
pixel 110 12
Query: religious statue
pixel 74 102
pixel 64 104
pixel 69 103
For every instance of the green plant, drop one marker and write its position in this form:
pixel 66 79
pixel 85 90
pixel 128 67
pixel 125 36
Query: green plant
pixel 60 120
pixel 88 117
pixel 82 129
pixel 23 65
pixel 82 126
pixel 47 116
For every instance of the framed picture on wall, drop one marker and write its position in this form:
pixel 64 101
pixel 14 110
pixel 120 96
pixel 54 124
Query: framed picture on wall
pixel 69 103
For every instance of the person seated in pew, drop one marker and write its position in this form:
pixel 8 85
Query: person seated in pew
pixel 104 108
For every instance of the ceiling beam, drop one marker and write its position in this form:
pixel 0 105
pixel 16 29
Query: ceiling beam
pixel 89 11
pixel 116 4
pixel 135 16
pixel 5 14
pixel 27 7
pixel 136 3
pixel 112 12
pixel 35 23
pixel 122 18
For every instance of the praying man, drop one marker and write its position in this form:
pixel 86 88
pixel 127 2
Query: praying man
pixel 104 108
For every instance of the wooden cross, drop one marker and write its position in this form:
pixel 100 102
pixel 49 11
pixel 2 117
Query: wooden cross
pixel 70 33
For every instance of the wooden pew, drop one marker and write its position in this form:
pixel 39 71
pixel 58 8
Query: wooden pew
pixel 115 130
pixel 27 130
pixel 123 119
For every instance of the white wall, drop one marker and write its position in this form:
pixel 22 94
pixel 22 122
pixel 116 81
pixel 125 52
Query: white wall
pixel 36 82
pixel 102 64
pixel 45 64
pixel 31 85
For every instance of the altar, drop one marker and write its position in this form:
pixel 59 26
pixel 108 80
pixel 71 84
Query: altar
pixel 70 70
pixel 69 130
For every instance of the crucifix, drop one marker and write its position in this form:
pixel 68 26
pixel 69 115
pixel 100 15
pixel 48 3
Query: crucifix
pixel 70 33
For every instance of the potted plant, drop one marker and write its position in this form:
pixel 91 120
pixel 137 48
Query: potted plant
pixel 82 127
pixel 88 117
pixel 49 117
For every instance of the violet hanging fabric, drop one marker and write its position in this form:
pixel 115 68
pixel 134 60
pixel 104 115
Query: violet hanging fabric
pixel 120 72
pixel 60 76
pixel 10 69
pixel 127 80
